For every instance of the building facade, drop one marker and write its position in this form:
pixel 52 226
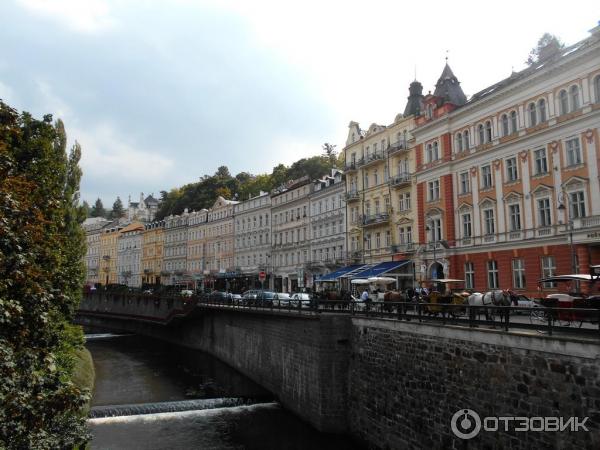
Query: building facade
pixel 513 193
pixel 327 225
pixel 252 244
pixel 152 252
pixel 108 250
pixel 196 246
pixel 175 250
pixel 92 260
pixel 129 255
pixel 220 243
pixel 290 235
pixel 380 189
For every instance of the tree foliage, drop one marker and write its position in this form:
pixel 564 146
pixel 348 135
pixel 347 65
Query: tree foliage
pixel 244 185
pixel 548 45
pixel 117 209
pixel 98 209
pixel 41 273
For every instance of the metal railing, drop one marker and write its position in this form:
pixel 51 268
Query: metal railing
pixel 536 320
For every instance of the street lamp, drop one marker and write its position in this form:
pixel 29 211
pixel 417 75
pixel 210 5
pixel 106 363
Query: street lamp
pixel 428 228
pixel 562 207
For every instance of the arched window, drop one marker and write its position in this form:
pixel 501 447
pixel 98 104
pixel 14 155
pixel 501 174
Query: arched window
pixel 429 153
pixel 513 122
pixel 466 139
pixel 459 140
pixel 488 131
pixel 504 121
pixel 532 115
pixel 436 154
pixel 563 102
pixel 597 88
pixel 481 134
pixel 542 109
pixel 574 91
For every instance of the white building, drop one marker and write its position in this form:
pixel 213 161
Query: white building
pixel 129 255
pixel 93 229
pixel 327 225
pixel 252 238
pixel 290 242
pixel 175 249
pixel 144 210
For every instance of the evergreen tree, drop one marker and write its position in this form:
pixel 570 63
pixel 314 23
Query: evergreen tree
pixel 98 209
pixel 117 209
pixel 41 273
pixel 86 209
pixel 548 45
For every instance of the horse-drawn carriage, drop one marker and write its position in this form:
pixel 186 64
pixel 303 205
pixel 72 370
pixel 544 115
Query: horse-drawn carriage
pixel 573 308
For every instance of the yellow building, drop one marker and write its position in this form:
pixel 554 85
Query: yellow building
pixel 380 195
pixel 152 252
pixel 108 253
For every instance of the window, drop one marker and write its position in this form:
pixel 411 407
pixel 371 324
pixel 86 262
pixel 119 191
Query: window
pixel 436 154
pixel 459 142
pixel 574 94
pixel 597 88
pixel 368 241
pixel 505 130
pixel 388 238
pixel 465 185
pixel 377 211
pixel 466 139
pixel 481 134
pixel 532 115
pixel 544 212
pixel 542 110
pixel 563 102
pixel 486 177
pixel 429 153
pixel 518 270
pixel 377 240
pixel 404 203
pixel 367 209
pixel 514 214
pixel 435 230
pixel 375 178
pixel 511 169
pixel 492 267
pixel 469 276
pixel 513 122
pixel 577 204
pixel 366 179
pixel 434 190
pixel 541 163
pixel 548 269
pixel 573 152
pixel 488 221
pixel 466 225
pixel 386 202
pixel 488 131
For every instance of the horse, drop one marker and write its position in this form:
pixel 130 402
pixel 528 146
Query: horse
pixel 495 298
pixel 392 296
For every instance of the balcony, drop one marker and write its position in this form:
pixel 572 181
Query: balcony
pixel 372 158
pixel 315 264
pixel 401 180
pixel 352 196
pixel 397 147
pixel 375 219
pixel 353 165
pixel 403 248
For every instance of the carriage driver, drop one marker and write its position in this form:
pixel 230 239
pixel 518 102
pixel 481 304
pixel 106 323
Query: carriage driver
pixel 365 295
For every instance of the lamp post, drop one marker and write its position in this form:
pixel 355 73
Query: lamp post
pixel 562 207
pixel 428 228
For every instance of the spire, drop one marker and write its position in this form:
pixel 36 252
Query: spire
pixel 415 99
pixel 448 88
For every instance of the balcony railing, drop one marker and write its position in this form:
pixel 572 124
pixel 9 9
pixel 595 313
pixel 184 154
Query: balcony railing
pixel 397 146
pixel 400 180
pixel 352 195
pixel 373 157
pixel 403 248
pixel 374 219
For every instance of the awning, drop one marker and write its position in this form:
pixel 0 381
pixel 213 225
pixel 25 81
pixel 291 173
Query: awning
pixel 380 269
pixel 333 276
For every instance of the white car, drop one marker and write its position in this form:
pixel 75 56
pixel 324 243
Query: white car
pixel 300 298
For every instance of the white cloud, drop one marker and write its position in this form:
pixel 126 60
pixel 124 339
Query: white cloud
pixel 88 16
pixel 108 156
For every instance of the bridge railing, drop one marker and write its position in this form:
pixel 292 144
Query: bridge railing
pixel 539 319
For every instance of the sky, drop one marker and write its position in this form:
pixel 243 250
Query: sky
pixel 161 93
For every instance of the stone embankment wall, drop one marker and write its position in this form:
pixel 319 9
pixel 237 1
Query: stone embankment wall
pixel 392 384
pixel 408 380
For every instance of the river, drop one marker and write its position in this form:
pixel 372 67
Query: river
pixel 139 381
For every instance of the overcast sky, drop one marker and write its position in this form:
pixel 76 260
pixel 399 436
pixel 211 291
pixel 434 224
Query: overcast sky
pixel 160 93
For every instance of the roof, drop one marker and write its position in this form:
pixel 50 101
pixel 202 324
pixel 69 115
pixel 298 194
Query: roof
pixel 448 88
pixel 135 226
pixel 380 269
pixel 151 201
pixel 333 276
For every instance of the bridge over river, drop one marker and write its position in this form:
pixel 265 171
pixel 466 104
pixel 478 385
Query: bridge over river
pixel 391 376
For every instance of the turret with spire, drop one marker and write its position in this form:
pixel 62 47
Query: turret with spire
pixel 448 88
pixel 415 99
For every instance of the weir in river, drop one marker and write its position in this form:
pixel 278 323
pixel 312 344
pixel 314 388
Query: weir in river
pixel 153 395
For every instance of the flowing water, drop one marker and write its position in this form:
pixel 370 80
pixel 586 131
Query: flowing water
pixel 153 395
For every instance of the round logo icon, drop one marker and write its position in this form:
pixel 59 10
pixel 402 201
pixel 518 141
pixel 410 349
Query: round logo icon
pixel 465 424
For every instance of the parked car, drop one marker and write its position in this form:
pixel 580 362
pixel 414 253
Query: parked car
pixel 249 297
pixel 186 293
pixel 265 298
pixel 302 299
pixel 282 299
